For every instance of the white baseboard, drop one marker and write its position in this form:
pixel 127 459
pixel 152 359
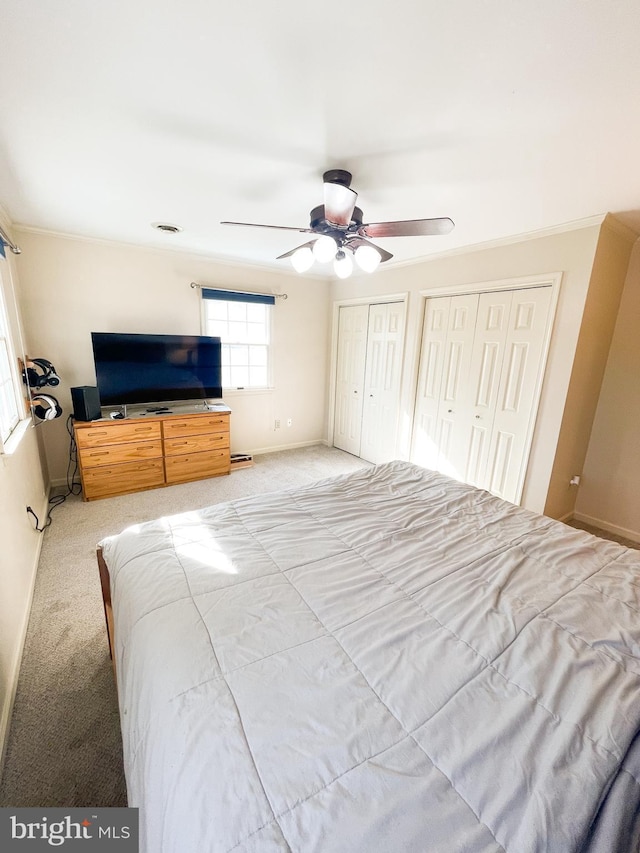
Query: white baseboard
pixel 258 451
pixel 634 535
pixel 14 671
pixel 565 518
pixel 54 484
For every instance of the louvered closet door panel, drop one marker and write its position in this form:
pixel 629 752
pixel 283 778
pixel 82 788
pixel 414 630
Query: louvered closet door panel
pixel 382 381
pixel 426 431
pixel 352 348
pixel 518 393
pixel 479 406
pixel 452 409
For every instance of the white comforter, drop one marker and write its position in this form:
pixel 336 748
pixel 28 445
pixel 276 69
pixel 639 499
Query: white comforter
pixel 386 661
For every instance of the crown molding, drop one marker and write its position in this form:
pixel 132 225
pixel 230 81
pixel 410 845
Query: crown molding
pixel 233 263
pixel 612 222
pixel 236 263
pixel 575 225
pixel 5 220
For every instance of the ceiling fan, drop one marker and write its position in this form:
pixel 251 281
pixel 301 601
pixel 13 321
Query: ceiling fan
pixel 340 234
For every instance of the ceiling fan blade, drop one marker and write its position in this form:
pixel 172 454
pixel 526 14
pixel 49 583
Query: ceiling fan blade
pixel 339 202
pixel 407 228
pixel 278 227
pixel 288 254
pixel 355 241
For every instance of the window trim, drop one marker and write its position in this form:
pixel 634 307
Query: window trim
pixel 221 295
pixel 9 441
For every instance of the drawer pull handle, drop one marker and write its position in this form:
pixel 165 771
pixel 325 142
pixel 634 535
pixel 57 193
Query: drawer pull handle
pixel 99 453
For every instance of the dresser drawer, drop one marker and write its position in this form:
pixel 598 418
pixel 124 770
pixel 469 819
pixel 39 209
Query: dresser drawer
pixel 191 443
pixel 138 453
pixel 195 424
pixel 109 454
pixel 116 433
pixel 125 477
pixel 194 466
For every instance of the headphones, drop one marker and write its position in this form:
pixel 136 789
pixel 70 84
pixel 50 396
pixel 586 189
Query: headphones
pixel 36 379
pixel 46 407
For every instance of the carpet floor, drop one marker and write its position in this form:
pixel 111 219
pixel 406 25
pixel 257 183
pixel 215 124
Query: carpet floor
pixel 64 746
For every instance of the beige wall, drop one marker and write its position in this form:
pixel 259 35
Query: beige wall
pixel 22 484
pixel 570 253
pixel 608 275
pixel 609 493
pixel 72 287
pixel 69 287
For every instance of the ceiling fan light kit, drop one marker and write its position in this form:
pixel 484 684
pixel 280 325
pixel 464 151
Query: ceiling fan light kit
pixel 368 258
pixel 340 234
pixel 324 249
pixel 302 259
pixel 342 265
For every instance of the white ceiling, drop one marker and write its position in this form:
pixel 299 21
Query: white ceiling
pixel 509 117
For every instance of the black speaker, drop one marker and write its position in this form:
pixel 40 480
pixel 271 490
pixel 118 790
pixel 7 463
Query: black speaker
pixel 86 403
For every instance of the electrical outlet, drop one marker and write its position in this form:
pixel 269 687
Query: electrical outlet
pixel 289 422
pixel 276 424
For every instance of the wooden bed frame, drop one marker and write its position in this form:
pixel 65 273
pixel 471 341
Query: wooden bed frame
pixel 105 583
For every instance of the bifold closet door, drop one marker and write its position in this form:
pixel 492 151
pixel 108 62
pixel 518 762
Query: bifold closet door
pixel 352 353
pixel 518 392
pixel 480 397
pixel 369 361
pixel 382 382
pixel 479 378
pixel 445 361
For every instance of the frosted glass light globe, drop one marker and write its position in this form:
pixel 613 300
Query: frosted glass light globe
pixel 343 265
pixel 367 258
pixel 302 259
pixel 324 249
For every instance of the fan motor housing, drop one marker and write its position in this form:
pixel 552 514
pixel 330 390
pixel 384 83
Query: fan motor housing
pixel 319 223
pixel 337 176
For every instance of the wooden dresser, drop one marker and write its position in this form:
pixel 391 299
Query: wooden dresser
pixel 138 453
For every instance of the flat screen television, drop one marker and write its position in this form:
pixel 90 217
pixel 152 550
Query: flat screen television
pixel 134 368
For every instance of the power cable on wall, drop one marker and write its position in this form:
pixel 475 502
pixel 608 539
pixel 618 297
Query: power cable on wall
pixel 73 487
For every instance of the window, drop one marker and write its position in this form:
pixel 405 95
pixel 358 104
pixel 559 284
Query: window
pixel 9 397
pixel 243 322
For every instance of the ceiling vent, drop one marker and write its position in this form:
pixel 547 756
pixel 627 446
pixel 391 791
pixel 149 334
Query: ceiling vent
pixel 167 227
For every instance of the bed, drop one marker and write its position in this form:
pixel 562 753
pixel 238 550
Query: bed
pixel 383 661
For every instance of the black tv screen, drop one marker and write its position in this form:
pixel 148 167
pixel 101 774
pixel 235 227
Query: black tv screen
pixel 156 368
